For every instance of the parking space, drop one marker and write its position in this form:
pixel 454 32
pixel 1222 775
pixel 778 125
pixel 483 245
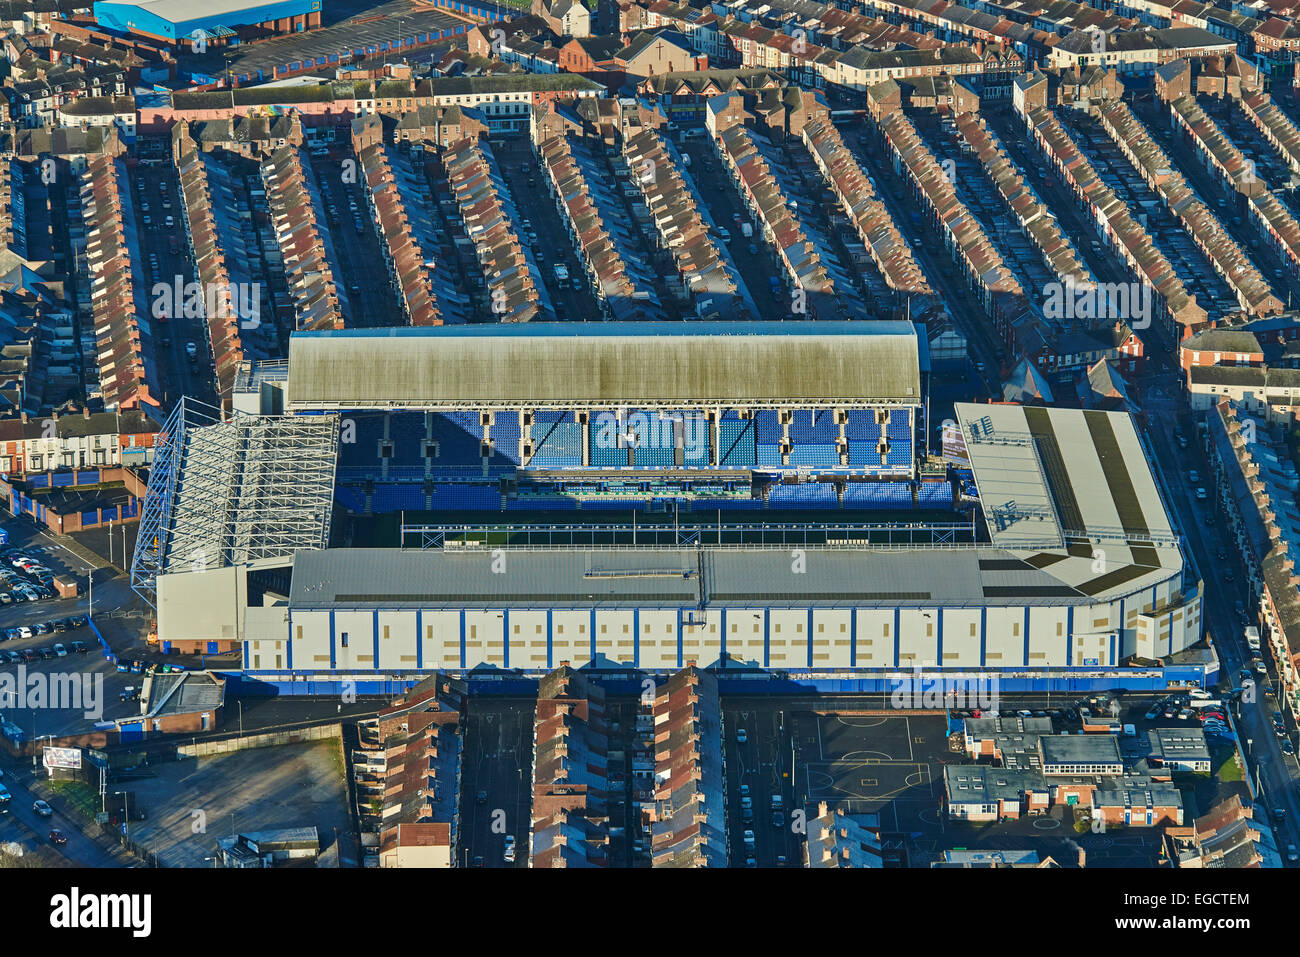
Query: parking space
pixel 496 783
pixel 540 227
pixel 630 780
pixel 1223 201
pixel 162 257
pixel 64 695
pixel 1192 266
pixel 759 755
pixel 353 247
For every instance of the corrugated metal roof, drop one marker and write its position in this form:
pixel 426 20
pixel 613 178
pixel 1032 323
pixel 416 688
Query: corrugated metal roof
pixel 735 577
pixel 599 365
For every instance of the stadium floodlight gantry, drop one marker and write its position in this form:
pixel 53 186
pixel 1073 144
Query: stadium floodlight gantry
pixel 244 492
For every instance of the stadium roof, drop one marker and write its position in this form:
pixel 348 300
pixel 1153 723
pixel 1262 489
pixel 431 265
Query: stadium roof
pixel 742 577
pixel 580 364
pixel 1061 474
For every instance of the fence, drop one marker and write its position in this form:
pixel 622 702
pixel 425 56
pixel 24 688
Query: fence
pixel 270 739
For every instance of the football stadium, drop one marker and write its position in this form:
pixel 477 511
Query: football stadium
pixel 498 500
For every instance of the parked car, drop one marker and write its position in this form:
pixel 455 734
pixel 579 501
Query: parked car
pixel 60 651
pixel 13 657
pixel 79 647
pixel 25 632
pixel 741 737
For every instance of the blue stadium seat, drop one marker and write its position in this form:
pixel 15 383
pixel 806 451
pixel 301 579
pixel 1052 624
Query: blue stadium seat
pixel 768 454
pixel 877 495
pixel 350 498
pixel 406 432
pixel 505 438
pixel 466 497
pixel 813 426
pixel 861 426
pixel 767 427
pixel 394 498
pixel 900 425
pixel 824 455
pixel 803 495
pixel 557 444
pixel 459 436
pixel 736 448
pixel 935 495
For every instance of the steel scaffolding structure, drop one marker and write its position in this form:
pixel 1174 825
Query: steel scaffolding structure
pixel 248 490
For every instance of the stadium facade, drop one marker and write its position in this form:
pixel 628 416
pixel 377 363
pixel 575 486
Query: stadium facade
pixel 1073 567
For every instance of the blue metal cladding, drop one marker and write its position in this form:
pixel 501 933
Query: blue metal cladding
pixel 126 17
pixel 877 681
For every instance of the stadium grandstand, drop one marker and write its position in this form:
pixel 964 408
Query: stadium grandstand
pixel 455 531
pixel 567 416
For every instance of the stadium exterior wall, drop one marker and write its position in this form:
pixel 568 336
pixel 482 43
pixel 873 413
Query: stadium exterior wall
pixel 652 636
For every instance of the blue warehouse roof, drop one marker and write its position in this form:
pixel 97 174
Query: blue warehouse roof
pixel 178 19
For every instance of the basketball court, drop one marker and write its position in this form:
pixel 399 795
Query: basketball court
pixel 873 764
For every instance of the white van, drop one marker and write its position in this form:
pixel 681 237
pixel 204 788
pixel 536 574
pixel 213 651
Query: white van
pixel 1252 638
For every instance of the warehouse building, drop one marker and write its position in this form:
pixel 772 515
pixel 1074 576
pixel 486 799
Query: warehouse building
pixel 215 23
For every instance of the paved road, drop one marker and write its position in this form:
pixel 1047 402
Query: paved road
pixel 1224 584
pixel 80 851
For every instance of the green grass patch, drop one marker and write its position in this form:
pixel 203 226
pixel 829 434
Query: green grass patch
pixel 1228 768
pixel 79 794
